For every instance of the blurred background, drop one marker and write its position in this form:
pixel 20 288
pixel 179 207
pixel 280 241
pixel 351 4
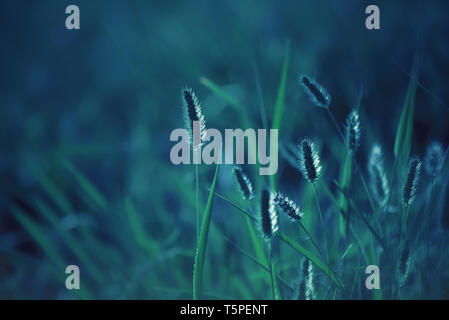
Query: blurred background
pixel 85 118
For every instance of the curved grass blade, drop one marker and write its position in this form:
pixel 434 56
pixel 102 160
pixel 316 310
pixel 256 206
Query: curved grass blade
pixel 202 243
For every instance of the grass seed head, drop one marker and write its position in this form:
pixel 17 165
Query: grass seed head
pixel 378 178
pixel 316 93
pixel 192 110
pixel 411 181
pixel 289 207
pixel 309 160
pixel 353 130
pixel 268 215
pixel 306 289
pixel 434 159
pixel 243 183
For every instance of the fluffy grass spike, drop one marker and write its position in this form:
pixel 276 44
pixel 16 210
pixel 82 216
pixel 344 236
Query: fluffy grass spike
pixel 268 216
pixel 378 178
pixel 193 112
pixel 353 131
pixel 434 159
pixel 243 183
pixel 306 288
pixel 411 181
pixel 316 93
pixel 283 204
pixel 309 160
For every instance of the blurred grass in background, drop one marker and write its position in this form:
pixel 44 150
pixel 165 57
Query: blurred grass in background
pixel 85 174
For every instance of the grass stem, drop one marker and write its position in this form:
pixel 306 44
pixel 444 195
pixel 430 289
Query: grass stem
pixel 323 231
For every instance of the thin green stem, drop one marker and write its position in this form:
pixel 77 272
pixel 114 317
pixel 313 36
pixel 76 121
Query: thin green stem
pixel 310 237
pixel 260 264
pixel 323 232
pixel 270 267
pixel 365 186
pixel 404 222
pixel 336 125
pixel 364 219
pixel 263 112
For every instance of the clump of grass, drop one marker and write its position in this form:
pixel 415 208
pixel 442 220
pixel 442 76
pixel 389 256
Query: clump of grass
pixel 378 178
pixel 353 131
pixel 306 287
pixel 411 181
pixel 243 182
pixel 317 94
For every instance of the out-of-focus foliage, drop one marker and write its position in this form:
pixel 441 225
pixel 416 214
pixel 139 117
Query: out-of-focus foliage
pixel 85 117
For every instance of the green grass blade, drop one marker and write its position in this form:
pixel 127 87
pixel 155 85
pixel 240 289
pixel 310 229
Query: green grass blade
pixel 280 101
pixel 402 142
pixel 202 244
pixel 40 237
pixel 322 266
pixel 55 193
pixel 229 99
pixel 86 185
pixel 256 241
pixel 277 293
pixel 47 247
pixel 221 93
pixel 68 238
